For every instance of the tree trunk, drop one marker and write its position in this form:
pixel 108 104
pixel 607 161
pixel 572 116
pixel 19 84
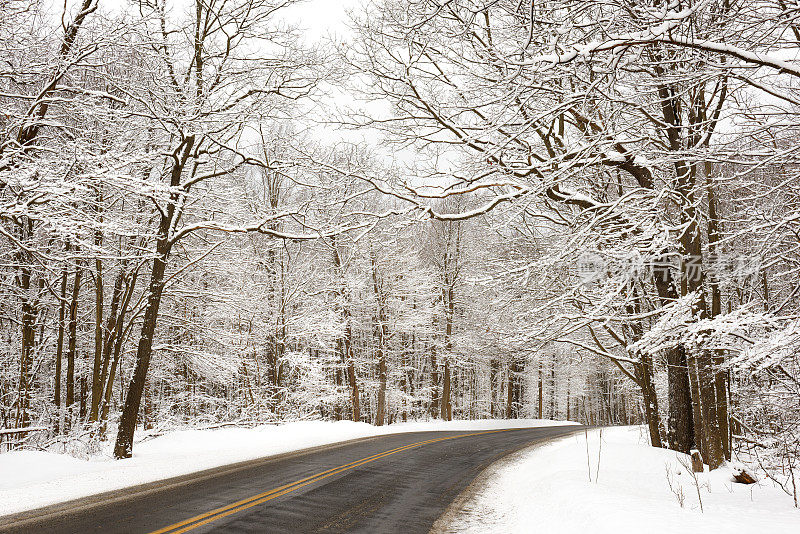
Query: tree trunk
pixel 650 399
pixel 514 390
pixel 541 392
pixel 447 408
pixel 30 311
pixel 355 398
pixel 83 394
pixel 116 339
pixel 127 424
pixel 494 378
pixel 718 359
pixel 62 308
pixel 107 344
pixel 381 329
pixel 380 414
pixel 447 402
pixel 680 419
pixel 72 336
pixel 434 382
pixel 553 387
pixel 680 434
pixel 97 384
pixel 123 447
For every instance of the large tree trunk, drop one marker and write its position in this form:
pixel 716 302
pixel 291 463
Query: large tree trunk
pixel 355 398
pixel 347 355
pixel 434 382
pixel 718 359
pixel 494 387
pixel 693 272
pixel 123 447
pixel 127 424
pixel 62 308
pixel 701 370
pixel 381 329
pixel 680 418
pixel 650 400
pixel 514 399
pixel 680 432
pixel 708 434
pixel 72 336
pixel 380 413
pixel 541 392
pixel 447 402
pixel 30 312
pixel 97 383
pixel 553 387
pixel 447 407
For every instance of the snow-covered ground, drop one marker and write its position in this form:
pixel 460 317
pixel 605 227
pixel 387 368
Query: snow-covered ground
pixel 547 489
pixel 32 479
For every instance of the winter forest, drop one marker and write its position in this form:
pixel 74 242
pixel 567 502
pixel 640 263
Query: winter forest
pixel 452 209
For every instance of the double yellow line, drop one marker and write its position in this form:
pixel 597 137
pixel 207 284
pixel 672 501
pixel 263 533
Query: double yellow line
pixel 255 500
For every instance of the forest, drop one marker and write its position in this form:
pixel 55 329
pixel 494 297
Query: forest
pixel 579 210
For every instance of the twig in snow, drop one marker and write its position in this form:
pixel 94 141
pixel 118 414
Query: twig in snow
pixel 588 463
pixel 686 465
pixel 599 451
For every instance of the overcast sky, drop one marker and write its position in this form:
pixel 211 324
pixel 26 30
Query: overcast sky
pixel 321 17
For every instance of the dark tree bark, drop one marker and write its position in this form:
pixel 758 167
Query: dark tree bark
pixel 541 392
pixel 127 424
pixel 97 383
pixel 106 345
pixel 447 402
pixel 83 394
pixel 72 335
pixel 553 387
pixel 680 419
pixel 514 399
pixel 117 340
pixel 494 387
pixel 123 446
pixel 381 332
pixel 718 358
pixel 62 308
pixel 434 382
pixel 447 407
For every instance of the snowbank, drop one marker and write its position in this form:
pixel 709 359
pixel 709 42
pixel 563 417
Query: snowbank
pixel 31 479
pixel 547 489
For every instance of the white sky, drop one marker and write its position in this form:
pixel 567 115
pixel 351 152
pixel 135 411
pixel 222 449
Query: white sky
pixel 318 16
pixel 321 17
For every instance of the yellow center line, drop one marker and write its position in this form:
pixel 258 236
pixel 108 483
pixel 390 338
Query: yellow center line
pixel 219 513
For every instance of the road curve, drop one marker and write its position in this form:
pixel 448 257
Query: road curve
pixel 393 483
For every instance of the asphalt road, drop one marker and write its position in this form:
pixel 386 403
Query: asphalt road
pixel 395 483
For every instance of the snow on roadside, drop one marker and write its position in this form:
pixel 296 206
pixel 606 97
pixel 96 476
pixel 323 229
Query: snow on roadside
pixel 547 489
pixel 32 479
